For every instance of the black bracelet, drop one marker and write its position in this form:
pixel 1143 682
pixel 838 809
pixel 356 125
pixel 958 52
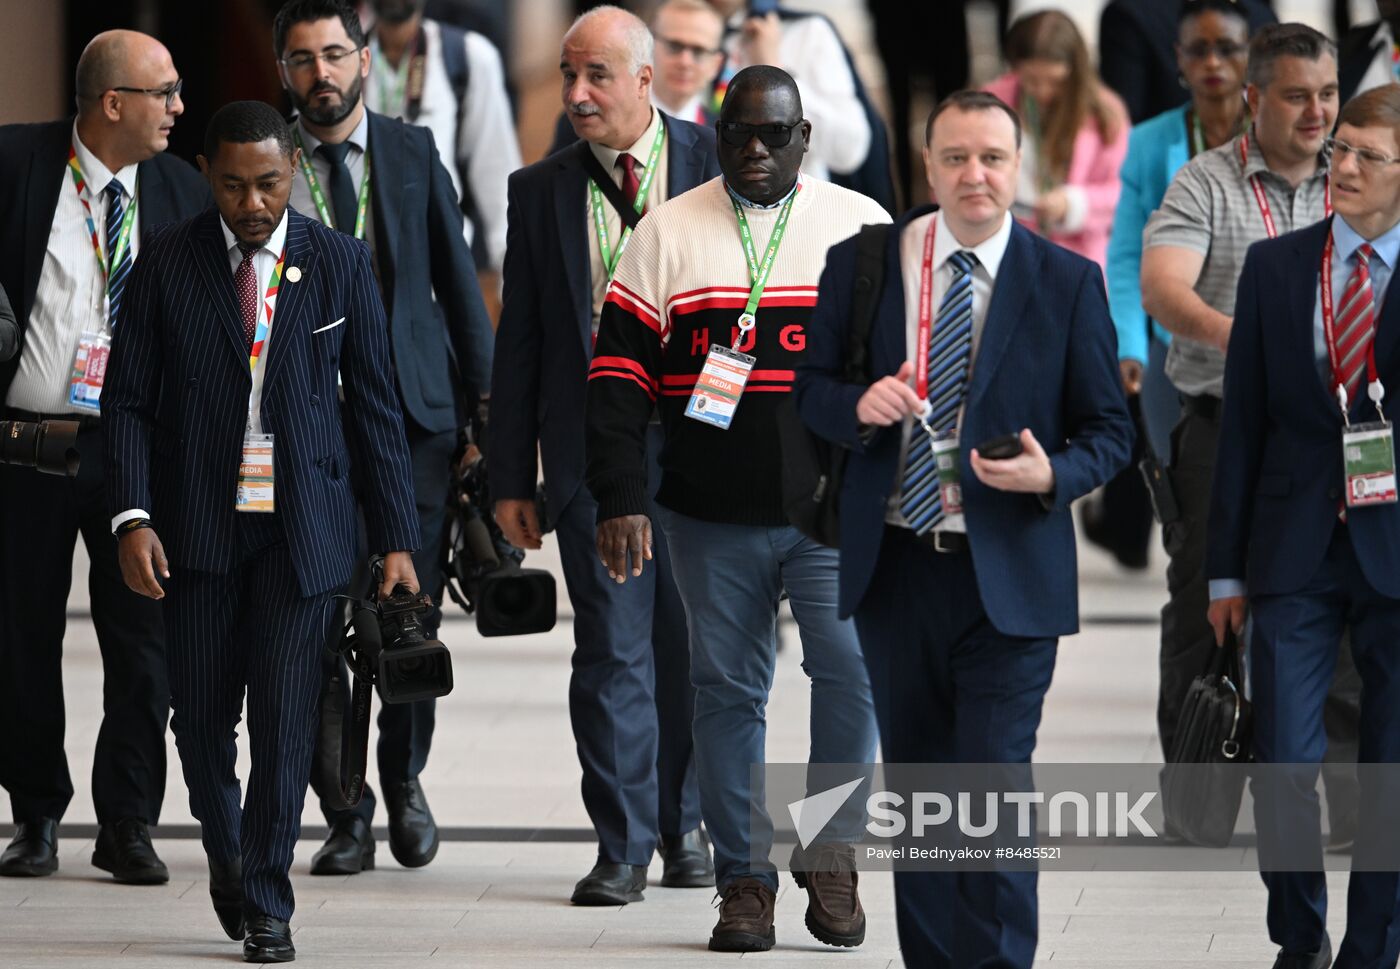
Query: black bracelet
pixel 132 525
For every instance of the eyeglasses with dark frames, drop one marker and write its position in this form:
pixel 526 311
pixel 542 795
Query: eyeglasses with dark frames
pixel 677 47
pixel 738 135
pixel 331 55
pixel 169 92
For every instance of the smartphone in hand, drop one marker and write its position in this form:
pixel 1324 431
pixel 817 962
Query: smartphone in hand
pixel 1001 448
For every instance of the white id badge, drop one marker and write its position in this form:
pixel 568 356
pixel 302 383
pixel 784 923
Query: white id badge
pixel 89 370
pixel 1368 461
pixel 719 386
pixel 255 476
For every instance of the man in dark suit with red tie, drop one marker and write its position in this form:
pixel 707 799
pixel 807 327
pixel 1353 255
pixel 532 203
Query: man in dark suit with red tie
pixel 227 442
pixel 1307 542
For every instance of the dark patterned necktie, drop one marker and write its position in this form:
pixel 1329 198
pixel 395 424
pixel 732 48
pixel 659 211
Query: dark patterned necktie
pixel 116 280
pixel 245 284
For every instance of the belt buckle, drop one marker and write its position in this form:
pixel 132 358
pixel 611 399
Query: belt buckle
pixel 948 542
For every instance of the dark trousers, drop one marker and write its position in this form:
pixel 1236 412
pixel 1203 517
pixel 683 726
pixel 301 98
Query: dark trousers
pixel 41 517
pixel 630 698
pixel 1187 639
pixel 250 629
pixel 1293 656
pixel 405 729
pixel 948 689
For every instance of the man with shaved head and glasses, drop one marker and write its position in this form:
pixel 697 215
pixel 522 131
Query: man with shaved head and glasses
pixel 704 322
pixel 76 197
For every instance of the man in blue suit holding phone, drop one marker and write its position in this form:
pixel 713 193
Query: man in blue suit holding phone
pixel 1305 532
pixel 224 435
pixel 961 587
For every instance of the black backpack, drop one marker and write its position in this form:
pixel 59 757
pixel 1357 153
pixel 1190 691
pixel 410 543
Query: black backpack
pixel 813 467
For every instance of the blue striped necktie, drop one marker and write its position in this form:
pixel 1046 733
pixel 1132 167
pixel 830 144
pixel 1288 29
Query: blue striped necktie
pixel 949 351
pixel 117 274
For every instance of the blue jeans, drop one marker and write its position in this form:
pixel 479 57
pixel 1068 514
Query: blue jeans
pixel 731 578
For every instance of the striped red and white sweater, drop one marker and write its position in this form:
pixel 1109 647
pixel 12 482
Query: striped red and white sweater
pixel 681 285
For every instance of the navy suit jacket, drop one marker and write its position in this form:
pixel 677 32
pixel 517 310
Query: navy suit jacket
pixel 175 402
pixel 1047 360
pixel 33 167
pixel 545 338
pixel 420 253
pixel 1278 477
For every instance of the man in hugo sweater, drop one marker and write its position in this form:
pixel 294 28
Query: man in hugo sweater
pixel 704 321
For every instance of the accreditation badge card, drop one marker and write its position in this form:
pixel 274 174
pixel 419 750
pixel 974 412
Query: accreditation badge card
pixel 719 386
pixel 255 475
pixel 89 370
pixel 1368 456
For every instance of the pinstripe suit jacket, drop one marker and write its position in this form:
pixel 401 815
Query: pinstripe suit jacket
pixel 175 402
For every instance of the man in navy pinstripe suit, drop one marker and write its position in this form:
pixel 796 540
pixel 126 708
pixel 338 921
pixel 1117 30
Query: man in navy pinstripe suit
pixel 190 397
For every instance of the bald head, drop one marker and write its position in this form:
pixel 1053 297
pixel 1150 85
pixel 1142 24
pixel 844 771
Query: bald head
pixel 762 82
pixel 117 113
pixel 605 61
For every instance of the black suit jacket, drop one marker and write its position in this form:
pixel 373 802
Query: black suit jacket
pixel 545 339
pixel 33 167
pixel 427 277
pixel 1137 52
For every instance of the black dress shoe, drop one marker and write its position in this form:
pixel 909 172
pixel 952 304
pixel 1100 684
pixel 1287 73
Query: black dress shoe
pixel 611 884
pixel 686 861
pixel 348 851
pixel 125 849
pixel 226 892
pixel 268 940
pixel 1320 959
pixel 413 834
pixel 33 851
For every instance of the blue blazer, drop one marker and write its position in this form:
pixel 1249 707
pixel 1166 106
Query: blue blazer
pixel 1157 149
pixel 1278 480
pixel 545 338
pixel 428 278
pixel 1047 363
pixel 175 402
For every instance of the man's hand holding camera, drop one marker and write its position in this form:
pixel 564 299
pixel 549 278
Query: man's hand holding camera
pixel 398 570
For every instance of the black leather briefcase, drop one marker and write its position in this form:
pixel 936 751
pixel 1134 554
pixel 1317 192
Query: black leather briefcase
pixel 1203 782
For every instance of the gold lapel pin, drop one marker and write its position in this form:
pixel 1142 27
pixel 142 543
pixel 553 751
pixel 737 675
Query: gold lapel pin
pixel 293 275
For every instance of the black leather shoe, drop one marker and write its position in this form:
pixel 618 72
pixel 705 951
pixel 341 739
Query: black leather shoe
pixel 125 849
pixel 33 851
pixel 611 884
pixel 413 834
pixel 348 851
pixel 226 892
pixel 268 940
pixel 686 861
pixel 1320 959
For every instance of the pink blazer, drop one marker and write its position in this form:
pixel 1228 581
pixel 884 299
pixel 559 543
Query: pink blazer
pixel 1093 168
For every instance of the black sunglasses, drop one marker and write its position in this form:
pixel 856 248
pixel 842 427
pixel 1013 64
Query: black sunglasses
pixel 738 135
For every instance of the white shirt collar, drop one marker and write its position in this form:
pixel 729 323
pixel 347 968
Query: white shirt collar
pixel 359 137
pixel 989 253
pixel 275 243
pixel 96 174
pixel 688 111
pixel 639 149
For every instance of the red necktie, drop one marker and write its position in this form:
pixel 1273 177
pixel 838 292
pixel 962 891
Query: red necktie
pixel 1356 324
pixel 245 284
pixel 630 183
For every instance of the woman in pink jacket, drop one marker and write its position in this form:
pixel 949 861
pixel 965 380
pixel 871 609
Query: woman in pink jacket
pixel 1076 134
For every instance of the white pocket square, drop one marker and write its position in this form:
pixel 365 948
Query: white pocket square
pixel 330 326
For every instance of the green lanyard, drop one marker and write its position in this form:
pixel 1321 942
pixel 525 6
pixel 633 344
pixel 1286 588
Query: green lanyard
pixel 392 81
pixel 595 199
pixel 318 197
pixel 758 273
pixel 1198 137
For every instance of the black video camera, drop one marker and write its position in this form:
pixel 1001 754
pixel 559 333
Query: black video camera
pixel 483 571
pixel 49 446
pixel 385 644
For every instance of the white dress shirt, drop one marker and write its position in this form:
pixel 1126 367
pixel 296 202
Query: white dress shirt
pixel 989 254
pixel 484 145
pixel 72 294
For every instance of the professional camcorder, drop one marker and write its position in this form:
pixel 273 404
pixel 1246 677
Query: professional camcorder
pixel 385 645
pixel 483 570
pixel 49 446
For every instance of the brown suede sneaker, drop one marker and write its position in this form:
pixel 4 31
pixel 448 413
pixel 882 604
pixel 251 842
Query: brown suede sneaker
pixel 828 873
pixel 745 917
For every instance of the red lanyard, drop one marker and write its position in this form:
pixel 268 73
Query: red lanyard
pixel 925 313
pixel 1263 200
pixel 1329 329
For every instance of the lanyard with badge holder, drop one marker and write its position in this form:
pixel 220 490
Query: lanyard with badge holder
pixel 255 471
pixel 95 346
pixel 726 370
pixel 1262 200
pixel 318 195
pixel 595 205
pixel 1368 450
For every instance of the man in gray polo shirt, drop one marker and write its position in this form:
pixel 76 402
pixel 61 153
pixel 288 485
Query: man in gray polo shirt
pixel 1268 181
